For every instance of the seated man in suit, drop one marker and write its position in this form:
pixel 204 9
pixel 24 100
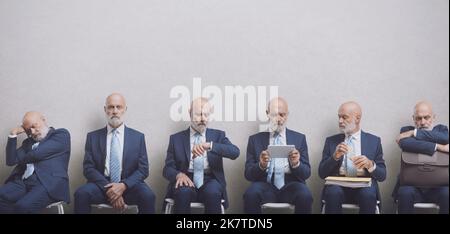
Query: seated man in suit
pixel 194 163
pixel 424 138
pixel 352 153
pixel 115 165
pixel 40 177
pixel 277 179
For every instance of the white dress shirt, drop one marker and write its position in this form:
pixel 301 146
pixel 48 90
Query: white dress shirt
pixel 121 134
pixel 357 150
pixel 205 158
pixel 283 141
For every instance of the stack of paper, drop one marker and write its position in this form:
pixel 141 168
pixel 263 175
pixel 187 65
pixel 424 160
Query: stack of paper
pixel 351 182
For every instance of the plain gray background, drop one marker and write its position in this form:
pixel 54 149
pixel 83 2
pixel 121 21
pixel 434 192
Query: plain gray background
pixel 64 57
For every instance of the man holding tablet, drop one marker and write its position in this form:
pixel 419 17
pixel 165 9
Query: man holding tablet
pixel 277 164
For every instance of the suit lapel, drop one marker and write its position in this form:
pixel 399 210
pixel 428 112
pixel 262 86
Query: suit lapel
pixel 364 144
pixel 208 137
pixel 187 145
pixel 288 137
pixel 102 141
pixel 126 146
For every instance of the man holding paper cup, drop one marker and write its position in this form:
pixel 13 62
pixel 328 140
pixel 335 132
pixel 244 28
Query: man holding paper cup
pixel 353 153
pixel 280 177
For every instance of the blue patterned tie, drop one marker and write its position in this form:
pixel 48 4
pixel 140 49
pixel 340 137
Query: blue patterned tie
pixel 30 166
pixel 276 166
pixel 350 169
pixel 198 164
pixel 114 163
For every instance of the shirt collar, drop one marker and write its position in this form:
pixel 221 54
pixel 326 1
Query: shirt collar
pixel 119 130
pixel 193 132
pixel 282 133
pixel 356 135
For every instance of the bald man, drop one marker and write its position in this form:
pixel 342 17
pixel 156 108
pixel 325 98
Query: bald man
pixel 40 176
pixel 277 179
pixel 352 153
pixel 423 138
pixel 115 165
pixel 194 163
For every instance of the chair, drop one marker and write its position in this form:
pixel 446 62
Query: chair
pixel 349 206
pixel 59 206
pixel 276 206
pixel 422 206
pixel 107 207
pixel 196 205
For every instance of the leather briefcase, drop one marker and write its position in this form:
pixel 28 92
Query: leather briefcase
pixel 421 170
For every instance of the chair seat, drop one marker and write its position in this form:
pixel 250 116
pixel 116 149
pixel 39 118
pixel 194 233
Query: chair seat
pixel 426 205
pixel 351 206
pixel 276 205
pixel 197 205
pixel 107 206
pixel 59 205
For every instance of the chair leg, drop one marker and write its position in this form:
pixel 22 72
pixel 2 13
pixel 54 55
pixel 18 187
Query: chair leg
pixel 60 209
pixel 223 209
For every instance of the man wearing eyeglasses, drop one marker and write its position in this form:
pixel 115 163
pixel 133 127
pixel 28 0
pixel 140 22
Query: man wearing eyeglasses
pixel 424 138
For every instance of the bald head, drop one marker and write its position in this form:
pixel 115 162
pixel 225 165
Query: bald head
pixel 35 125
pixel 423 115
pixel 277 112
pixel 200 111
pixel 115 108
pixel 349 114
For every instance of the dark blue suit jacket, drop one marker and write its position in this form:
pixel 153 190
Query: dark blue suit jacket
pixel 424 143
pixel 370 147
pixel 134 162
pixel 260 141
pixel 50 159
pixel 179 153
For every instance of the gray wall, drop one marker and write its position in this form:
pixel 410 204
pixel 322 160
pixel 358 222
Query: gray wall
pixel 64 57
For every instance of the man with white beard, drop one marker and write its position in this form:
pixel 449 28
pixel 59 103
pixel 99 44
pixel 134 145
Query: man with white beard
pixel 277 179
pixel 352 153
pixel 115 164
pixel 40 177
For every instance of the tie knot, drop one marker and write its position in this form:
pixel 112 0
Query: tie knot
pixel 276 134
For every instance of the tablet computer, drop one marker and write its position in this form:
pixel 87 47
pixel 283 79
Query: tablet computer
pixel 280 151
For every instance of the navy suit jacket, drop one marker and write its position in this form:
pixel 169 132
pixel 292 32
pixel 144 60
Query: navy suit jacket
pixel 134 161
pixel 370 147
pixel 179 154
pixel 423 143
pixel 260 141
pixel 50 159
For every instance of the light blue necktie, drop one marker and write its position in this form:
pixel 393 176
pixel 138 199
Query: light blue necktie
pixel 114 163
pixel 276 166
pixel 350 169
pixel 30 166
pixel 198 164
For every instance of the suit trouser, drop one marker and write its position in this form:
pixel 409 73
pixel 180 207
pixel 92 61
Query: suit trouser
pixel 210 194
pixel 408 195
pixel 335 196
pixel 24 196
pixel 140 195
pixel 296 193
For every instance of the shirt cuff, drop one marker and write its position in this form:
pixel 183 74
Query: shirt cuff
pixel 415 132
pixel 12 136
pixel 435 147
pixel 211 145
pixel 373 168
pixel 297 165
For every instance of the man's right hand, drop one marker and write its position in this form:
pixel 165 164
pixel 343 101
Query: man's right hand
pixel 119 204
pixel 17 130
pixel 183 180
pixel 264 159
pixel 341 149
pixel 442 148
